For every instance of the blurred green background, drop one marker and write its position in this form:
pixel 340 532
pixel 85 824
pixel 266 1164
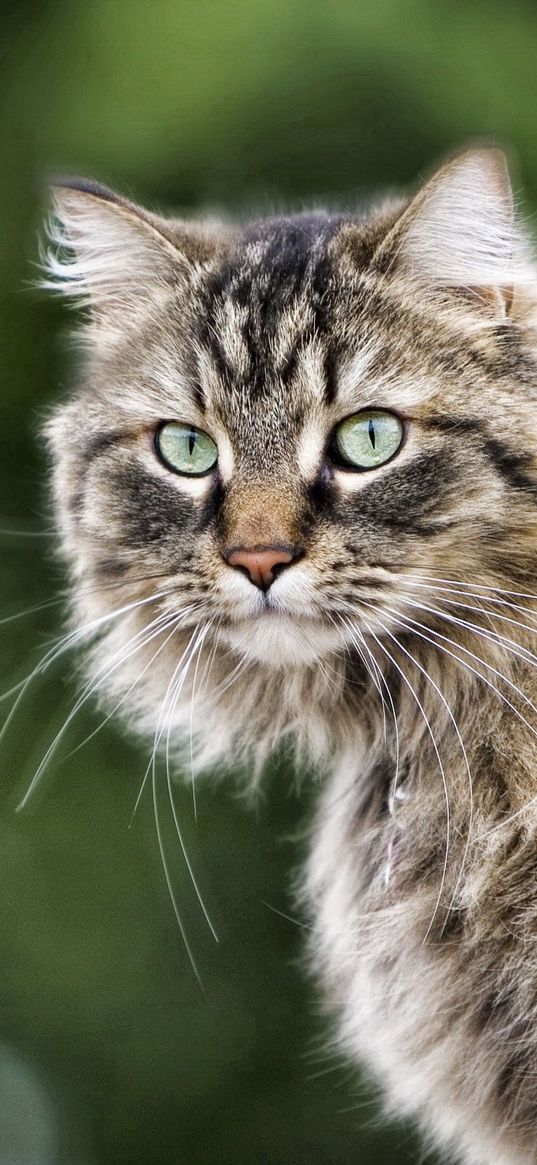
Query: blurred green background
pixel 109 1050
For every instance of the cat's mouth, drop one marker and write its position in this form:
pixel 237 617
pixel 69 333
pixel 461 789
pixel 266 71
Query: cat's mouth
pixel 280 627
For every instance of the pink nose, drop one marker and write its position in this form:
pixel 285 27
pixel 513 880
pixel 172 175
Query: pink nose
pixel 261 565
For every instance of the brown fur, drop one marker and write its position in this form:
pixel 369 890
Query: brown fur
pixel 397 650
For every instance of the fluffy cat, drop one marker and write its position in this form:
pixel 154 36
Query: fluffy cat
pixel 297 491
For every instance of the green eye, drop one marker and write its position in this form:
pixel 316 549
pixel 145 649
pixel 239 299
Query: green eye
pixel 367 439
pixel 186 449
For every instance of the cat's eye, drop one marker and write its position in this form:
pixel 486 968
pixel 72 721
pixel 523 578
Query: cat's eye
pixel 185 449
pixel 367 439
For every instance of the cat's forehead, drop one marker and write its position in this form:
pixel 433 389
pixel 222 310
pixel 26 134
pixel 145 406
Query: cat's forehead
pixel 268 305
pixel 285 328
pixel 292 329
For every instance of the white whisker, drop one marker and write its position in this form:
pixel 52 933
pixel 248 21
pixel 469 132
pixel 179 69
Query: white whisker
pixel 119 658
pixel 459 583
pixel 64 644
pixel 395 782
pixel 481 610
pixel 405 679
pixel 6 533
pixel 497 638
pixel 176 689
pixel 382 680
pixel 191 720
pixel 413 624
pixel 160 727
pixel 360 646
pixel 174 686
pixel 97 589
pixel 177 912
pixel 441 696
pixel 174 621
pixel 484 635
pixel 29 611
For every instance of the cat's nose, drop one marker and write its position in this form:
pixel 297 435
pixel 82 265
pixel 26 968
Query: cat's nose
pixel 262 565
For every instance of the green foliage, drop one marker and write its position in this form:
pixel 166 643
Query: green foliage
pixel 107 1040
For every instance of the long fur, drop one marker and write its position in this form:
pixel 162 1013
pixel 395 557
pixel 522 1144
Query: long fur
pixel 398 651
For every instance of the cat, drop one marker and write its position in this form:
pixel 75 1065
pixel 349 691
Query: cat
pixel 296 488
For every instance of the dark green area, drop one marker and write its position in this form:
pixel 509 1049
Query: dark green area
pixel 109 1050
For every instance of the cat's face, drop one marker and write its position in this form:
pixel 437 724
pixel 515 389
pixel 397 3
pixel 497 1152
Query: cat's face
pixel 281 426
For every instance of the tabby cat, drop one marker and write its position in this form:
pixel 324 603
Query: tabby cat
pixel 297 491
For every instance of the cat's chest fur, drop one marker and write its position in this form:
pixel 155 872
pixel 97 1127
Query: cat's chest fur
pixel 412 917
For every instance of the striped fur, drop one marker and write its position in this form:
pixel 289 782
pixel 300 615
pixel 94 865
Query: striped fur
pixel 397 652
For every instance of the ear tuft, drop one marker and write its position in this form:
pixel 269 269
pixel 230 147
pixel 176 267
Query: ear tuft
pixel 105 251
pixel 460 230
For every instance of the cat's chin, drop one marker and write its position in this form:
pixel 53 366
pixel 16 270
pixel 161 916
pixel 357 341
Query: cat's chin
pixel 278 640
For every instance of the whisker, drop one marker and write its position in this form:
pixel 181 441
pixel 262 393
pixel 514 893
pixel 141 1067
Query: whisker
pixel 395 782
pixel 359 644
pixel 460 583
pixel 6 533
pixel 71 639
pixel 395 779
pixel 376 675
pixel 158 729
pixel 196 650
pixel 445 615
pixel 99 588
pixel 288 917
pixel 28 611
pixel 171 892
pixel 138 641
pixel 415 623
pixel 198 638
pixel 385 684
pixel 405 679
pixel 381 683
pixel 195 641
pixel 11 691
pixel 499 640
pixel 481 610
pixel 328 673
pixel 441 696
pixel 242 666
pixel 191 722
pixel 119 584
pixel 175 622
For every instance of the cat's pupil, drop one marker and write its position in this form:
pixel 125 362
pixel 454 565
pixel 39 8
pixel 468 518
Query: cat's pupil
pixel 191 442
pixel 371 432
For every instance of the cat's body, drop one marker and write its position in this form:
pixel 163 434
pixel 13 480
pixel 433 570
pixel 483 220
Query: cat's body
pixel 377 613
pixel 437 997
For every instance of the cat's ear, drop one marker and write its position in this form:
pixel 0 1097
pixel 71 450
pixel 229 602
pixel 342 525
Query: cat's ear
pixel 112 255
pixel 460 232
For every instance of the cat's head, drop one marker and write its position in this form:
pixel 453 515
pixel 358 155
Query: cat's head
pixel 281 428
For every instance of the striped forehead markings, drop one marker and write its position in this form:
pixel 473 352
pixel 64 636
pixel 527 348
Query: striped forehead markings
pixel 265 307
